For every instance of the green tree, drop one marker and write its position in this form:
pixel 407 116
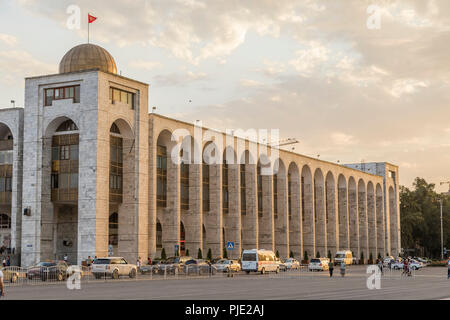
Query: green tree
pixel 199 255
pixel 225 253
pixel 209 255
pixel 291 254
pixel 318 254
pixel 277 254
pixel 362 257
pixel 163 254
pixel 305 256
pixel 329 254
pixel 187 252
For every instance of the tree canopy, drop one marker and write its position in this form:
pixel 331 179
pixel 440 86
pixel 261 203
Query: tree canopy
pixel 420 218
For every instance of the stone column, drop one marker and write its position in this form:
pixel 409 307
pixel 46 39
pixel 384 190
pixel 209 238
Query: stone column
pixel 372 225
pixel 250 220
pixel 320 222
pixel 214 221
pixel 362 215
pixel 380 225
pixel 282 222
pixel 171 223
pixel 295 220
pixel 193 217
pixel 308 220
pixel 353 222
pixel 331 223
pixel 343 219
pixel 266 222
pixel 233 219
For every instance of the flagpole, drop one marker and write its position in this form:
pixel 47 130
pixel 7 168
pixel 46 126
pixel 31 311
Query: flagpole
pixel 88 26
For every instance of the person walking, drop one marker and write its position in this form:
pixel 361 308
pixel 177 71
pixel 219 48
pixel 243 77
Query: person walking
pixel 8 261
pixel 448 272
pixel 65 258
pixel 342 268
pixel 4 262
pixel 2 286
pixel 380 265
pixel 331 268
pixel 139 263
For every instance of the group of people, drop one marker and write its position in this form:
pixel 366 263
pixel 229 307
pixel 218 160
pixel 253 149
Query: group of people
pixel 6 261
pixel 331 268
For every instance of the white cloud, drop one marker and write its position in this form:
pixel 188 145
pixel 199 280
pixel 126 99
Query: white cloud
pixel 146 65
pixel 250 83
pixel 8 39
pixel 308 59
pixel 407 86
pixel 342 139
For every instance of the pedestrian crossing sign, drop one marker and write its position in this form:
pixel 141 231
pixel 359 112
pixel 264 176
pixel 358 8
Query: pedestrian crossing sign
pixel 230 245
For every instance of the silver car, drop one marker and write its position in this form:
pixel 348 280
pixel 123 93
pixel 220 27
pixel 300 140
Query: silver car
pixel 113 267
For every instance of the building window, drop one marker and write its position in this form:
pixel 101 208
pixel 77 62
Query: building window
pixel 259 183
pixel 118 95
pixel 243 192
pixel 5 221
pixel 275 196
pixel 205 187
pixel 184 186
pixel 225 198
pixel 116 169
pixel 72 92
pixel 114 229
pixel 161 174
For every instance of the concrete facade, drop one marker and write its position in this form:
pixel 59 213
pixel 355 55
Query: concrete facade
pixel 304 206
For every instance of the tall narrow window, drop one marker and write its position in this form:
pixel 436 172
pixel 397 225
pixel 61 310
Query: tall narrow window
pixel 326 201
pixel 243 192
pixel 205 187
pixel 161 174
pixel 116 169
pixel 275 196
pixel 225 200
pixel 259 183
pixel 184 186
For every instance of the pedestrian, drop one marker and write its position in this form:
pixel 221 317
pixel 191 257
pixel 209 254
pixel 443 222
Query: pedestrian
pixel 149 261
pixel 380 265
pixel 139 263
pixel 65 258
pixel 89 261
pixel 4 262
pixel 342 268
pixel 448 272
pixel 8 261
pixel 2 287
pixel 331 268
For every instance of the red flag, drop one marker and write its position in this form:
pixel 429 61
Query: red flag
pixel 91 18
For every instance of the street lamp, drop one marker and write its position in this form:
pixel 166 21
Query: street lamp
pixel 442 232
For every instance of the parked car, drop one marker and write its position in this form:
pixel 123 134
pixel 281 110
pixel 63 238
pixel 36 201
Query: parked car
pixel 150 268
pixel 397 265
pixel 175 264
pixel 13 274
pixel 198 266
pixel 51 270
pixel 343 256
pixel 227 265
pixel 388 260
pixel 113 267
pixel 415 265
pixel 318 264
pixel 281 265
pixel 291 263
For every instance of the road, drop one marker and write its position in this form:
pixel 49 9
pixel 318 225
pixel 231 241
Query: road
pixel 429 283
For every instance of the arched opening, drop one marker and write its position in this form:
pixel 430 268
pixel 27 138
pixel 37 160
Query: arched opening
pixel 380 221
pixel 307 206
pixel 362 215
pixel 353 217
pixel 294 215
pixel 6 184
pixel 343 214
pixel 265 203
pixel 122 177
pixel 60 206
pixel 371 221
pixel 330 210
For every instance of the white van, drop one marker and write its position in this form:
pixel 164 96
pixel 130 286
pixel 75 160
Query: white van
pixel 259 261
pixel 345 256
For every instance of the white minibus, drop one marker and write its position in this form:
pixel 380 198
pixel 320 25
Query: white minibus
pixel 259 261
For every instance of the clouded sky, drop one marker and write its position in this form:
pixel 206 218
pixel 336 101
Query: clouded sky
pixel 313 69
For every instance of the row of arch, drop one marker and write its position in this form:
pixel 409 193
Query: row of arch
pixel 309 211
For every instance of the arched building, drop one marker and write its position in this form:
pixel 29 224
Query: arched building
pixel 85 170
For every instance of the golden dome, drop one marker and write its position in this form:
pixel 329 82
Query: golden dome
pixel 86 57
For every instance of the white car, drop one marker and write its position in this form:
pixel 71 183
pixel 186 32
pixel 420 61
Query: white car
pixel 227 265
pixel 319 264
pixel 113 267
pixel 415 265
pixel 397 265
pixel 291 263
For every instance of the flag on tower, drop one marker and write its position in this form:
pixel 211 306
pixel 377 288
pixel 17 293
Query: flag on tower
pixel 91 18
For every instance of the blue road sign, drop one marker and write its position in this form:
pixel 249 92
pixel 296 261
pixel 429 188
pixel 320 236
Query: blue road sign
pixel 230 245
